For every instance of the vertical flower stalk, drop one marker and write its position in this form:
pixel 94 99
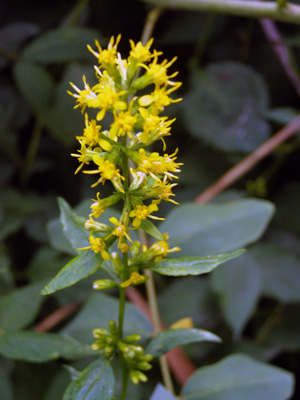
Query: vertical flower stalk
pixel 136 124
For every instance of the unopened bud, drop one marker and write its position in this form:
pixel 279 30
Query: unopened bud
pixel 104 284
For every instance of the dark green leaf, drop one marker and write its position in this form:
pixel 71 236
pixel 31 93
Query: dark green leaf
pixel 6 388
pixel 78 268
pixel 36 85
pixel 288 204
pixel 57 238
pixel 95 382
pixel 217 228
pixel 239 377
pixel 41 347
pixel 61 45
pixel 19 307
pixel 73 226
pixel 101 308
pixel 237 305
pixel 230 98
pixel 167 340
pixel 189 265
pixel 151 229
pixel 281 115
pixel 280 271
pixel 161 393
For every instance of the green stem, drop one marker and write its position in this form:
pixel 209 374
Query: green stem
pixel 246 8
pixel 203 40
pixel 269 324
pixel 73 18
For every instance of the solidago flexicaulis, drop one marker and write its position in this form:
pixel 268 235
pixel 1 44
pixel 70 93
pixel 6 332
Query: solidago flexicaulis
pixel 136 124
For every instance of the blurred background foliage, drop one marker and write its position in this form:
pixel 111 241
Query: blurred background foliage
pixel 235 96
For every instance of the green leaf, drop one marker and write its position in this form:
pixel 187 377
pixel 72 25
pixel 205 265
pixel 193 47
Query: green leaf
pixel 41 347
pixel 280 271
pixel 73 226
pixel 217 228
pixel 167 340
pixel 57 238
pixel 101 308
pixel 239 377
pixel 77 269
pixel 61 45
pixel 230 98
pixel 237 305
pixel 189 265
pixel 281 115
pixel 36 85
pixel 161 393
pixel 95 382
pixel 6 388
pixel 288 203
pixel 151 229
pixel 19 307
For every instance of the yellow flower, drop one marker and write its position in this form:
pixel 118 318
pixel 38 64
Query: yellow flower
pixel 97 207
pixel 142 212
pixel 165 190
pixel 91 132
pixel 158 72
pixel 135 279
pixel 108 171
pixel 106 56
pixel 85 97
pixel 155 165
pixel 139 52
pixel 84 157
pixel 161 248
pixel 98 246
pixel 123 124
pixel 159 98
pixel 120 230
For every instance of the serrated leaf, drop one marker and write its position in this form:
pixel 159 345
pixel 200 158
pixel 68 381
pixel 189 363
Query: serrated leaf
pixel 12 315
pixel 61 45
pixel 77 269
pixel 41 347
pixel 167 340
pixel 237 305
pixel 161 393
pixel 217 228
pixel 73 226
pixel 151 229
pixel 189 265
pixel 230 98
pixel 101 308
pixel 239 377
pixel 95 382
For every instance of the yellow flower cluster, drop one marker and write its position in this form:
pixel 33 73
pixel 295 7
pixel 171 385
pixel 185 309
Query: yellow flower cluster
pixel 136 124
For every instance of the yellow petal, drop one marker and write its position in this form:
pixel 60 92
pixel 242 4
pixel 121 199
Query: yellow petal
pixel 183 324
pixel 145 100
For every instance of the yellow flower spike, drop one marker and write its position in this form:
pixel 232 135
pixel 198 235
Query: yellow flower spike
pixel 98 246
pixel 106 56
pixel 135 279
pixel 142 212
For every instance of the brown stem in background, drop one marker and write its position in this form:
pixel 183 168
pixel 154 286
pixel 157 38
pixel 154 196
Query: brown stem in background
pixel 249 162
pixel 281 51
pixel 56 317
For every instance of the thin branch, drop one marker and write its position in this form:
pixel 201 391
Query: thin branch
pixel 281 51
pixel 249 162
pixel 56 317
pixel 242 8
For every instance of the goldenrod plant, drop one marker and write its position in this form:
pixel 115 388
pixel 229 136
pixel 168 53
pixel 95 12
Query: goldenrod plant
pixel 133 91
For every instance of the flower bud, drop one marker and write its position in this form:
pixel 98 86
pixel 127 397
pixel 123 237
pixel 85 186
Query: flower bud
pixel 133 338
pixel 98 333
pixel 113 327
pixel 104 284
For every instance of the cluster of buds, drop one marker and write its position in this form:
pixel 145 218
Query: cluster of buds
pixel 133 354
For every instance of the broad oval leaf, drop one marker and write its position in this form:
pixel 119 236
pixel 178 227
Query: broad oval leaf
pixel 189 265
pixel 41 347
pixel 95 382
pixel 77 269
pixel 12 315
pixel 73 226
pixel 61 45
pixel 217 228
pixel 151 229
pixel 167 340
pixel 230 98
pixel 239 377
pixel 161 393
